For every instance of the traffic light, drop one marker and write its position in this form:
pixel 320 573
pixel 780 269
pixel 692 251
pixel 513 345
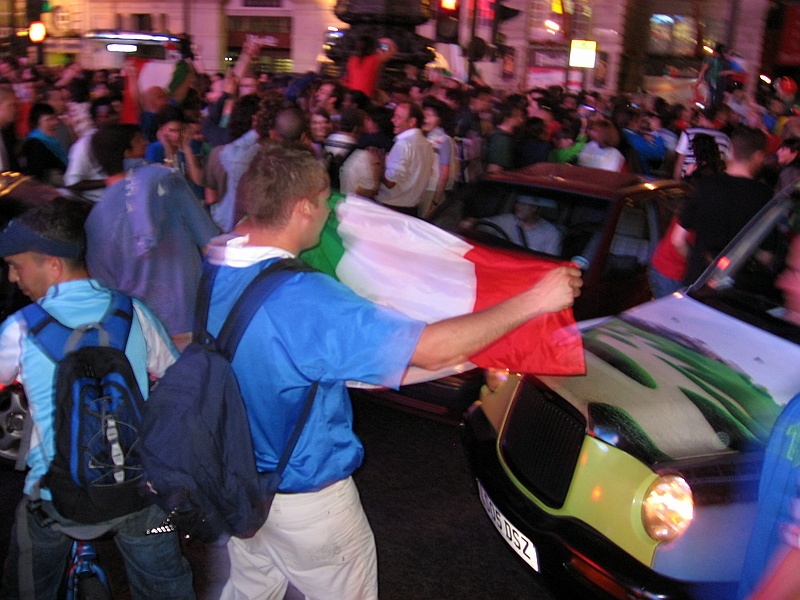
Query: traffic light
pixel 37 32
pixel 502 13
pixel 447 22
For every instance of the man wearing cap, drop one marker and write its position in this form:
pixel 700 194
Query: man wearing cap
pixel 44 249
pixel 525 227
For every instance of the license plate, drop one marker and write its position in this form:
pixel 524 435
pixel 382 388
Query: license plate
pixel 513 536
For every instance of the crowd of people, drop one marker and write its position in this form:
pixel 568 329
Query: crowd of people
pixel 251 157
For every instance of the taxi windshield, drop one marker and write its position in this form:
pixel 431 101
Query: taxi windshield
pixel 757 277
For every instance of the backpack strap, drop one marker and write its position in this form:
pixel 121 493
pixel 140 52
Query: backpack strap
pixel 56 339
pixel 237 322
pixel 202 302
pixel 251 301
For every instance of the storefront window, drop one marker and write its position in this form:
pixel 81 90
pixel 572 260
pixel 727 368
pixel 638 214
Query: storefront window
pixel 676 35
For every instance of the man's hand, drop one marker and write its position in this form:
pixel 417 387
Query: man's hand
pixel 557 290
pixel 454 340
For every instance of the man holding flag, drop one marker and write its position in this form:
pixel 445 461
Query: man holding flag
pixel 313 328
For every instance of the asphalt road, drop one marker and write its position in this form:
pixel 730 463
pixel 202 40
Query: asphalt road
pixel 434 540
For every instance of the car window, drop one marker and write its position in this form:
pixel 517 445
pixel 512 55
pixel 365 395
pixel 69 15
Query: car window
pixel 631 245
pixel 757 278
pixel 580 220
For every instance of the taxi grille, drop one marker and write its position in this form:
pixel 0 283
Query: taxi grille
pixel 541 441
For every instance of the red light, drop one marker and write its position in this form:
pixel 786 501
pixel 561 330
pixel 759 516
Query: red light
pixel 723 263
pixel 449 4
pixel 37 32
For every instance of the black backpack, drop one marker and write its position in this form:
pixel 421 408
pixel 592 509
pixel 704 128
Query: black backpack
pixel 96 472
pixel 197 450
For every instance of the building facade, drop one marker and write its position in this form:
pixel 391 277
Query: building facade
pixel 640 43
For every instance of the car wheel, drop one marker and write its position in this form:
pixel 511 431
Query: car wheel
pixel 13 412
pixel 492 228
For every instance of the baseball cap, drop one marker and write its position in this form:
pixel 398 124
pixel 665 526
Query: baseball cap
pixel 17 238
pixel 536 201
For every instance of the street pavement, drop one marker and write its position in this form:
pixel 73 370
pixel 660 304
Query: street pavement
pixel 434 540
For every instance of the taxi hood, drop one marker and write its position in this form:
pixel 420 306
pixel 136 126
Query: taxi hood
pixel 674 379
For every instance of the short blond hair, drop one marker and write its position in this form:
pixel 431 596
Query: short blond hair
pixel 279 176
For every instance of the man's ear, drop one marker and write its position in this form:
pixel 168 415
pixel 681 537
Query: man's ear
pixel 303 207
pixel 55 267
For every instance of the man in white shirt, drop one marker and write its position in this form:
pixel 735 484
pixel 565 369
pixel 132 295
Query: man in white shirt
pixel 409 164
pixel 84 175
pixel 525 227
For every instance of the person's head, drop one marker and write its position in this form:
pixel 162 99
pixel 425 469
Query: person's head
pixel 330 96
pixel 169 123
pixel 44 246
pixel 436 114
pixel 418 91
pixel 320 125
pixel 747 145
pixel 8 106
pixel 352 121
pixel 271 104
pixel 248 85
pixel 111 144
pixel 526 209
pixel 354 99
pixel 533 129
pixel 789 281
pixel 241 120
pixel 43 117
pixel 509 116
pixel 290 124
pixel 102 111
pixel 707 156
pixel 283 184
pixel 564 138
pixel 480 99
pixel 79 89
pixel 379 120
pixel 365 45
pixel 602 131
pixel 154 99
pixel 789 152
pixel 407 116
pixel 705 117
pixel 55 98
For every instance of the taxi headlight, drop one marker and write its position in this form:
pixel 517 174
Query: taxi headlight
pixel 495 378
pixel 668 508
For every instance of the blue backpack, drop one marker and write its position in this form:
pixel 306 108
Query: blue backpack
pixel 96 472
pixel 197 450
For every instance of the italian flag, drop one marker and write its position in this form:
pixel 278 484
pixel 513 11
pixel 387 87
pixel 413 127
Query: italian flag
pixel 413 266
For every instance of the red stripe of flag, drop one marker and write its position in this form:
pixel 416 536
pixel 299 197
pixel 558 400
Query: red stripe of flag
pixel 547 345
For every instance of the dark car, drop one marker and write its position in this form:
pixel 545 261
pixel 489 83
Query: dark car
pixel 639 478
pixel 609 225
pixel 19 193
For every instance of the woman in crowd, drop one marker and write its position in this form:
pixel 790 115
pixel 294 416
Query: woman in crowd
pixel 42 155
pixel 601 151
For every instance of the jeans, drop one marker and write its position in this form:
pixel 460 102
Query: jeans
pixel 661 285
pixel 39 553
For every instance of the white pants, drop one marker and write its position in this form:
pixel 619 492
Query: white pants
pixel 320 541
